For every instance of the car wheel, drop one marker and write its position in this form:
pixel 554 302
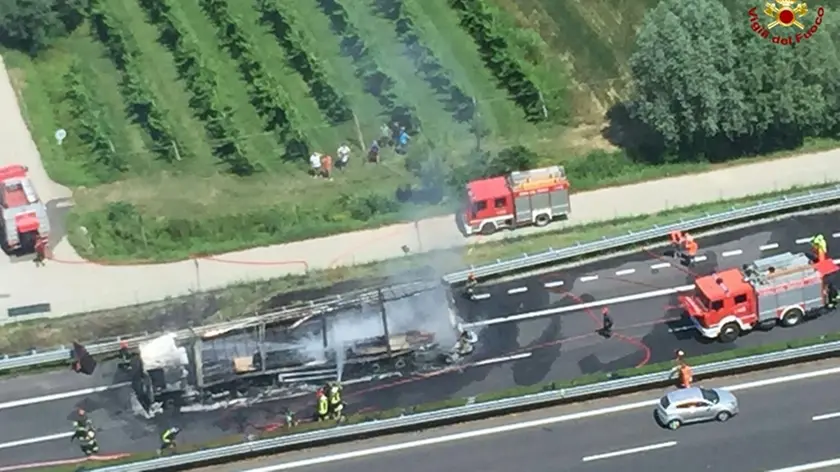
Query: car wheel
pixel 674 424
pixel 723 416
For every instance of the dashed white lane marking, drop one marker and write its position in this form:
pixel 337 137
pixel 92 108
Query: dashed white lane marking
pixel 680 329
pixel 835 235
pixel 768 247
pixel 809 467
pixel 700 258
pixel 61 396
pixel 827 416
pixel 499 360
pixel 627 452
pixel 556 283
pixel 26 442
pixel 517 290
pixel 481 296
pixel 589 278
pixel 802 240
pixel 661 266
pixel 625 272
pixel 736 252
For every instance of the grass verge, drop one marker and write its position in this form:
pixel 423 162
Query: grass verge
pixel 491 396
pixel 246 299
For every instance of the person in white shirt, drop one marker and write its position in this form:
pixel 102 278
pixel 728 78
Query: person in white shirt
pixel 343 156
pixel 315 163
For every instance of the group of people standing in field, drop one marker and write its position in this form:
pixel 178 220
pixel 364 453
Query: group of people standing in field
pixel 321 164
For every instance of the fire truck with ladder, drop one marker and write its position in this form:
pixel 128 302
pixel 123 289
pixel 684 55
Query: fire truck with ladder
pixel 531 197
pixel 24 214
pixel 783 289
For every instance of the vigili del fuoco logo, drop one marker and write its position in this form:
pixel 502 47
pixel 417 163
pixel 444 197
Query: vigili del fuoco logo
pixel 786 22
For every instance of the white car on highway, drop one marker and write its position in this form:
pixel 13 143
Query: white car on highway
pixel 694 405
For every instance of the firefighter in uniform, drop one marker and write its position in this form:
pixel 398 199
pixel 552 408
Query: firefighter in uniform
pixel 40 251
pixel 167 439
pixel 820 247
pixel 469 289
pixel 684 374
pixel 323 406
pixel 125 356
pixel 685 247
pixel 606 323
pixel 832 297
pixel 336 404
pixel 88 443
pixel 81 426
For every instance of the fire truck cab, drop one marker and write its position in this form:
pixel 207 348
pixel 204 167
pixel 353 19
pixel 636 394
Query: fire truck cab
pixel 782 289
pixel 520 198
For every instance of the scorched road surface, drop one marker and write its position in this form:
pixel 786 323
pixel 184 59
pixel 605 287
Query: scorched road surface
pixel 511 353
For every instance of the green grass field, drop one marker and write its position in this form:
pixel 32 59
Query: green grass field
pixel 130 97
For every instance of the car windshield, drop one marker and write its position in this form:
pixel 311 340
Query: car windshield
pixel 702 298
pixel 710 395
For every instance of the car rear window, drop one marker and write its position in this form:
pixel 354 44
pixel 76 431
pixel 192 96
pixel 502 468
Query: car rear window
pixel 710 395
pixel 664 402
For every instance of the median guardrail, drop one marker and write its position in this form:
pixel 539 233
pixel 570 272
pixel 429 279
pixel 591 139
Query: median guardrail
pixel 553 256
pixel 467 412
pixel 295 312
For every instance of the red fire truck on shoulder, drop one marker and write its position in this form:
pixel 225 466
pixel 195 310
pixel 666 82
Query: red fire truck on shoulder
pixel 520 198
pixel 24 215
pixel 782 289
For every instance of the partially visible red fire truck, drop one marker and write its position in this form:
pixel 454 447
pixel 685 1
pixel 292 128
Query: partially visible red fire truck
pixel 520 198
pixel 782 289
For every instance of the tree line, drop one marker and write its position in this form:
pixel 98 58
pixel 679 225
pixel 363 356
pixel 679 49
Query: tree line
pixel 707 86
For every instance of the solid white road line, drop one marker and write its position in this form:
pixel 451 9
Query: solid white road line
pixel 802 240
pixel 499 360
pixel 556 283
pixel 768 247
pixel 481 296
pixel 61 396
pixel 26 442
pixel 736 252
pixel 625 272
pixel 582 306
pixel 325 459
pixel 517 290
pixel 700 258
pixel 627 452
pixel 660 266
pixel 589 278
pixel 827 416
pixel 811 466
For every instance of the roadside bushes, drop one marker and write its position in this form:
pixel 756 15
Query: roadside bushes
pixel 376 82
pixel 477 19
pixel 267 96
pixel 123 52
pixel 200 79
pixel 32 25
pixel 120 231
pixel 455 101
pixel 332 104
pixel 92 130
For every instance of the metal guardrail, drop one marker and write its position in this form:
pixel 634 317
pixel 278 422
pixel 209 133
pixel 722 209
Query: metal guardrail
pixel 454 415
pixel 64 353
pixel 499 267
pixel 527 261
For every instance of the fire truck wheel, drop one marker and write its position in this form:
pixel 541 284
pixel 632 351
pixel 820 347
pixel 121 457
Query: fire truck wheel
pixel 729 332
pixel 792 317
pixel 488 228
pixel 542 220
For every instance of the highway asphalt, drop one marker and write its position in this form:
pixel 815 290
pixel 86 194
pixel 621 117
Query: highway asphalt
pixel 548 348
pixel 780 425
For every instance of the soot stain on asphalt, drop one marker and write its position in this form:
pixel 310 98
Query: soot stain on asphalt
pixel 534 369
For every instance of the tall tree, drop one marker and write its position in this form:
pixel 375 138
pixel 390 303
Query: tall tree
pixel 32 25
pixel 683 73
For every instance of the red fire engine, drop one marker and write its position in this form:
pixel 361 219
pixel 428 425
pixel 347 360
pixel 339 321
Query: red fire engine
pixel 24 214
pixel 782 289
pixel 521 198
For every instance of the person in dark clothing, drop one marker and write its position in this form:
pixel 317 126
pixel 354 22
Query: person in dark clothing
pixel 373 152
pixel 40 251
pixel 125 356
pixel 469 288
pixel 88 444
pixel 606 323
pixel 81 426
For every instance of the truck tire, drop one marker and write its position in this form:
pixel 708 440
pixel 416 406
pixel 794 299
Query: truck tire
pixel 792 317
pixel 542 219
pixel 488 228
pixel 729 332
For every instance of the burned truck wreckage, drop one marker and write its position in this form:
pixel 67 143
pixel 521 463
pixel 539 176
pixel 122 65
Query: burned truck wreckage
pixel 384 333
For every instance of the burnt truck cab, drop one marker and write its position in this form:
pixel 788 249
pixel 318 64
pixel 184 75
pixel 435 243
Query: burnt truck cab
pixel 782 289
